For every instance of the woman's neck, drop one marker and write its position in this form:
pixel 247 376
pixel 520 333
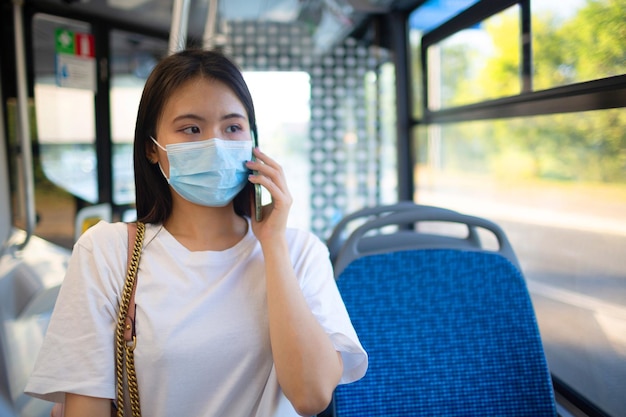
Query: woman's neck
pixel 206 228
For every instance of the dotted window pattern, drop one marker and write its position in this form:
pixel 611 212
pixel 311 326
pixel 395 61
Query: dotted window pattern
pixel 343 135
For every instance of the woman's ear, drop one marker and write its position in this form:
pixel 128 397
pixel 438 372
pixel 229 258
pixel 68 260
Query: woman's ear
pixel 152 152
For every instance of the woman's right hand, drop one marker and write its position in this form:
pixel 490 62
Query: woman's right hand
pixel 272 177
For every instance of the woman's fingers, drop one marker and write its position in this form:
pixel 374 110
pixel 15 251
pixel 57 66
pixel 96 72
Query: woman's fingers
pixel 270 175
pixel 266 166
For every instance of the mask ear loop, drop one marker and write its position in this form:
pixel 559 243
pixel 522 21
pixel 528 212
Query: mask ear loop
pixel 158 144
pixel 158 163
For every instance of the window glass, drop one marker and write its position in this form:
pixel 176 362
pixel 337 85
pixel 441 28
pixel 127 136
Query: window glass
pixel 64 99
pixel 577 40
pixel 478 63
pixel 64 88
pixel 426 17
pixel 435 12
pixel 283 117
pixel 417 86
pixel 371 160
pixel 557 185
pixel 387 160
pixel 133 58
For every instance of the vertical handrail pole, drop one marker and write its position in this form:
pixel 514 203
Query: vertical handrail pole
pixel 178 28
pixel 209 40
pixel 23 130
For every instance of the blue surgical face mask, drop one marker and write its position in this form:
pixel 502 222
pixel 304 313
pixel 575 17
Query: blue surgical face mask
pixel 209 172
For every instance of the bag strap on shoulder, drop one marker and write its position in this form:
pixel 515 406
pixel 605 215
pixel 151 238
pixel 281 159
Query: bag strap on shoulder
pixel 125 332
pixel 129 329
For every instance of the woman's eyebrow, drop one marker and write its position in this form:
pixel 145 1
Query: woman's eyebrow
pixel 189 116
pixel 233 116
pixel 199 118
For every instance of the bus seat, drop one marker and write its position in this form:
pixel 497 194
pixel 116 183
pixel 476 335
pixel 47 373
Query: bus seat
pixel 361 242
pixel 449 332
pixel 342 229
pixel 29 283
pixel 89 216
pixel 350 222
pixel 24 285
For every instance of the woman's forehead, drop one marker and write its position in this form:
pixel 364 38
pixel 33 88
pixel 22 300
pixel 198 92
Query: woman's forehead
pixel 208 93
pixel 204 98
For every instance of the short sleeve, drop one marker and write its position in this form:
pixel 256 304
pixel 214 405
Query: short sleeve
pixel 77 354
pixel 318 284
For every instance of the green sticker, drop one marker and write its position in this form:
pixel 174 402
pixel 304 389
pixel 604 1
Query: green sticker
pixel 64 41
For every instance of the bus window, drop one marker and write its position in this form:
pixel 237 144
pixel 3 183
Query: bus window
pixel 65 125
pixel 66 129
pixel 550 173
pixel 383 177
pixel 283 117
pixel 133 57
pixel 458 65
pixel 575 41
pixel 435 12
pixel 423 19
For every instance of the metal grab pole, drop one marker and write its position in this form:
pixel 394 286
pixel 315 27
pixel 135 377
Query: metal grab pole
pixel 178 28
pixel 209 40
pixel 23 130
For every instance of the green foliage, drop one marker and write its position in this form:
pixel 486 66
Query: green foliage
pixel 501 76
pixel 589 146
pixel 455 66
pixel 595 39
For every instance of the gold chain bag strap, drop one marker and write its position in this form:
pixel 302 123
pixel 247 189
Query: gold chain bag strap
pixel 125 339
pixel 125 332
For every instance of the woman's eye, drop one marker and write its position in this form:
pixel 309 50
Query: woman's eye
pixel 191 130
pixel 233 129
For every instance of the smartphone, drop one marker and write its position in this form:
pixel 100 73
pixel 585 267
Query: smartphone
pixel 258 206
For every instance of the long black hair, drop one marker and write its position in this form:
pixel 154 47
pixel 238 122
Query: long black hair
pixel 152 192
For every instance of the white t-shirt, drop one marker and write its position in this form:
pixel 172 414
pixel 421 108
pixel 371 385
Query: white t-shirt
pixel 203 346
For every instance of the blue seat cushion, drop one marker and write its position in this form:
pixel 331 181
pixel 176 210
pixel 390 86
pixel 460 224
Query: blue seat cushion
pixel 448 333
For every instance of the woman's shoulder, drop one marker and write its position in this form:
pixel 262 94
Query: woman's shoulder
pixel 304 239
pixel 294 233
pixel 105 229
pixel 103 233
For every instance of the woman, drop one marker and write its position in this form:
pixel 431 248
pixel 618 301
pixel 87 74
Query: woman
pixel 235 317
